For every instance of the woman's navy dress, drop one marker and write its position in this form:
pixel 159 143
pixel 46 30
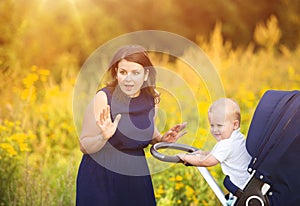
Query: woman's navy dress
pixel 118 174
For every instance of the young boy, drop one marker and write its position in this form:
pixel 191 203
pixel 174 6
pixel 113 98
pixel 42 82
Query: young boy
pixel 230 150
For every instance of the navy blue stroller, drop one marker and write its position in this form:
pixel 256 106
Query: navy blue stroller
pixel 273 142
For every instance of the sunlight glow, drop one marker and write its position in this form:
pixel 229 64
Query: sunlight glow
pixel 71 9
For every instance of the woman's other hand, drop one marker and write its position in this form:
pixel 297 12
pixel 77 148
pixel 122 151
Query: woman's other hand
pixel 174 133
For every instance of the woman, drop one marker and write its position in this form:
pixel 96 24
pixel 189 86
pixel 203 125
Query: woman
pixel 118 124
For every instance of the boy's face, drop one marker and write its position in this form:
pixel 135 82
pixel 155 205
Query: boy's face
pixel 221 125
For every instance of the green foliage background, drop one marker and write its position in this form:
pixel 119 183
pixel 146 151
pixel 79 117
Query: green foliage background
pixel 43 45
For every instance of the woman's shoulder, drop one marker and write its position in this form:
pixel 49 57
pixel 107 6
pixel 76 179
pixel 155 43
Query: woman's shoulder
pixel 101 96
pixel 105 90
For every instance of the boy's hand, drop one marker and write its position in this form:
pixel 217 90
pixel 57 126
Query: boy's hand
pixel 181 156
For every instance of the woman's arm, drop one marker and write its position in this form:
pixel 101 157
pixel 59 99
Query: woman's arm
pixel 97 126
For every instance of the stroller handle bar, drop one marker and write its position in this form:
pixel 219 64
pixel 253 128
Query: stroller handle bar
pixel 170 158
pixel 204 172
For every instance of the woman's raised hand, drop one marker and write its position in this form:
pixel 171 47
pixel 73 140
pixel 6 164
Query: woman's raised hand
pixel 105 124
pixel 174 133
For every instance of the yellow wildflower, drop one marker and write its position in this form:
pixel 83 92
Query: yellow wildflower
pixel 189 191
pixel 179 185
pixel 30 79
pixel 204 202
pixel 24 147
pixel 178 178
pixel 8 123
pixel 9 149
pixel 172 179
pixel 195 200
pixel 160 190
pixel 44 72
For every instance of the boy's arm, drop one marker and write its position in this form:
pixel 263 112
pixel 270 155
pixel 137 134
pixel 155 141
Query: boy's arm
pixel 201 152
pixel 198 159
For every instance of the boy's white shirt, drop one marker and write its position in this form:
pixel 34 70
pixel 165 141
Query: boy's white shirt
pixel 233 157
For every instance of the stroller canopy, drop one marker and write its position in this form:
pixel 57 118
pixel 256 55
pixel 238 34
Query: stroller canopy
pixel 273 141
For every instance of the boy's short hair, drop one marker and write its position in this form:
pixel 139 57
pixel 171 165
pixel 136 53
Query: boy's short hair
pixel 230 106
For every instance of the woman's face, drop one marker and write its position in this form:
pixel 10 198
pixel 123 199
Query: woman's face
pixel 131 76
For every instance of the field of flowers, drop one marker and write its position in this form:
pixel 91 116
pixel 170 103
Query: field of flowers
pixel 39 152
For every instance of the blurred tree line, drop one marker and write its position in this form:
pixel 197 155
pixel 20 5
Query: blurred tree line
pixel 53 34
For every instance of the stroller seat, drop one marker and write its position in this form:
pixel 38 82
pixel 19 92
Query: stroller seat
pixel 273 141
